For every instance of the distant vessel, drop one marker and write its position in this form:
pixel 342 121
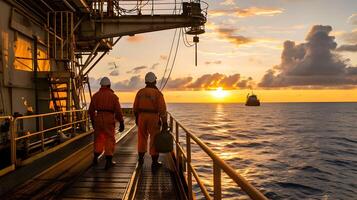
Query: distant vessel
pixel 252 100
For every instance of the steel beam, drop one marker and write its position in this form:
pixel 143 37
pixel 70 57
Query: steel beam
pixel 131 25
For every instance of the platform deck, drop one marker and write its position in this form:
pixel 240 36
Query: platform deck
pixel 97 183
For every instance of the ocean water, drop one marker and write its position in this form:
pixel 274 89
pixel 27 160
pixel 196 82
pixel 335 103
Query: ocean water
pixel 287 150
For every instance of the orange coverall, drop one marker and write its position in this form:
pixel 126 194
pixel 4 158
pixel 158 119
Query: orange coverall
pixel 104 109
pixel 149 106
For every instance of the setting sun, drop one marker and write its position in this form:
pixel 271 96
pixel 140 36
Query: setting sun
pixel 219 93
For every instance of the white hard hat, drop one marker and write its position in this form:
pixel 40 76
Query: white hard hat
pixel 105 81
pixel 150 77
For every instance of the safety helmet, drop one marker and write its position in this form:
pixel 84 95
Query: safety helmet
pixel 150 77
pixel 105 81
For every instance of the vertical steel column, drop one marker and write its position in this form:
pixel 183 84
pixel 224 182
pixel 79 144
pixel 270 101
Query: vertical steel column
pixel 217 182
pixel 54 35
pixel 61 32
pixel 189 172
pixel 35 76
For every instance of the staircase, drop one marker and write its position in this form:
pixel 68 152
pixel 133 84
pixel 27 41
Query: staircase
pixel 59 83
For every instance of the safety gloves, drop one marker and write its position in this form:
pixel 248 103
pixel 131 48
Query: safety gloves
pixel 121 126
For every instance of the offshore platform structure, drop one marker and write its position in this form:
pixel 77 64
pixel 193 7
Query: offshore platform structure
pixel 48 48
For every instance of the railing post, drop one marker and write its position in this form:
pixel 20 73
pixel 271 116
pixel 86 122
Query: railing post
pixel 13 141
pixel 217 182
pixel 189 172
pixel 75 119
pixel 42 134
pixel 85 114
pixel 171 125
pixel 61 116
pixel 178 155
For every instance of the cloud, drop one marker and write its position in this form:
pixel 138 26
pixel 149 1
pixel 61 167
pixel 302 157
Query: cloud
pixel 314 63
pixel 228 2
pixel 163 57
pixel 205 82
pixel 179 83
pixel 246 12
pixel 136 38
pixel 216 62
pixel 350 37
pixel 137 70
pixel 209 81
pixel 229 35
pixel 353 19
pixel 134 83
pixel 114 73
pixel 155 65
pixel 348 47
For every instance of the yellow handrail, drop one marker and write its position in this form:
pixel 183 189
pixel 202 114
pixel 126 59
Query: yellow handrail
pixel 218 165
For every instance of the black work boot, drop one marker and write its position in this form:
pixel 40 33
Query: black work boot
pixel 95 158
pixel 141 158
pixel 109 162
pixel 155 162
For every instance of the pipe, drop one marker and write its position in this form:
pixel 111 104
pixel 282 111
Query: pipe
pixel 48 6
pixel 69 5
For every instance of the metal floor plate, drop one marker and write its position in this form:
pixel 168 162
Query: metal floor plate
pixel 158 184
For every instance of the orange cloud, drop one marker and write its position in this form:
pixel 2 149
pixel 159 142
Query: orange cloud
pixel 247 12
pixel 228 34
pixel 136 38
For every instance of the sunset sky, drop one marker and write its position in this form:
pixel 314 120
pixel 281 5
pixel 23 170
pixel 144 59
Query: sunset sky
pixel 286 50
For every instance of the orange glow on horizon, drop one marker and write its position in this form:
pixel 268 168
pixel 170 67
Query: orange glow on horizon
pixel 239 96
pixel 219 93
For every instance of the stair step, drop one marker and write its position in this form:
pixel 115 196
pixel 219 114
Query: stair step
pixel 60 89
pixel 51 74
pixel 59 81
pixel 59 98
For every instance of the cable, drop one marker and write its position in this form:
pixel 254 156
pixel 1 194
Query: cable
pixel 173 62
pixel 185 40
pixel 168 58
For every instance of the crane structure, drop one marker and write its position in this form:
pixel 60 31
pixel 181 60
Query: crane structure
pixel 48 47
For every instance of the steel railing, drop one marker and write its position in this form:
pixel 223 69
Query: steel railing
pixel 219 165
pixel 102 8
pixel 6 140
pixel 61 122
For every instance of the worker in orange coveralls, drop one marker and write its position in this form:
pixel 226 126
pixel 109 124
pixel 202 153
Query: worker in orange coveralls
pixel 150 112
pixel 104 109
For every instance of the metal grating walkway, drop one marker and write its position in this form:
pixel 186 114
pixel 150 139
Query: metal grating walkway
pixel 158 184
pixel 97 183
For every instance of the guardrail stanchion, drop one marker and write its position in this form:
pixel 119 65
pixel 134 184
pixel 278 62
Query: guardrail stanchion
pixel 217 190
pixel 13 141
pixel 171 122
pixel 189 172
pixel 61 116
pixel 178 156
pixel 42 134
